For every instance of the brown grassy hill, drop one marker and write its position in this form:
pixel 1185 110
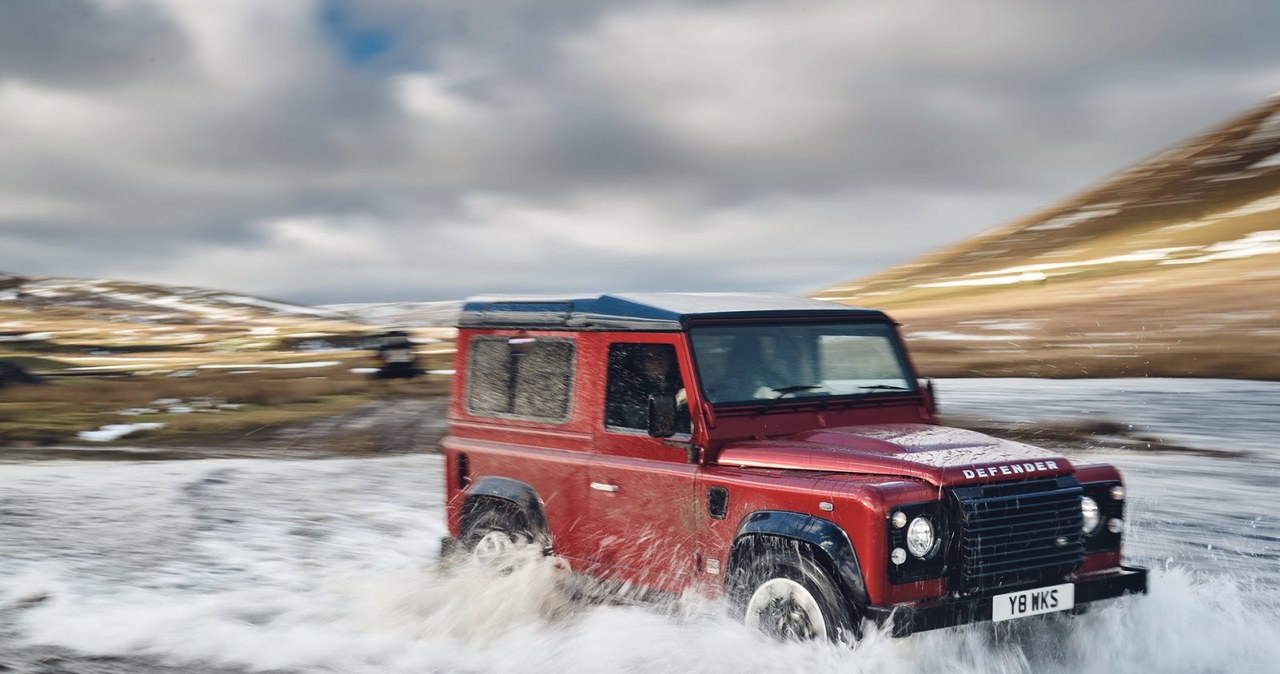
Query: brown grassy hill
pixel 1169 268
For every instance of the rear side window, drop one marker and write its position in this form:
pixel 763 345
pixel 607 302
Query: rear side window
pixel 522 379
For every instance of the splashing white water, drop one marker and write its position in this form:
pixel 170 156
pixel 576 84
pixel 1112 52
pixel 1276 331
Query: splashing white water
pixel 329 566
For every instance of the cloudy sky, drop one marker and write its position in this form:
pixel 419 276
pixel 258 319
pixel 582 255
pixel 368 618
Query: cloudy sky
pixel 328 151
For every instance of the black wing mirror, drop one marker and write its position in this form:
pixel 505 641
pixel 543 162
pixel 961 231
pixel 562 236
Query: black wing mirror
pixel 662 415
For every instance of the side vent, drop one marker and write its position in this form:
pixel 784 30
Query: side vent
pixel 717 502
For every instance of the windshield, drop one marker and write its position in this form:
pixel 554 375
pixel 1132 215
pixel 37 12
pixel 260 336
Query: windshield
pixel 748 363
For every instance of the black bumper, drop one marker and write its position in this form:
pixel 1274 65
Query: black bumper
pixel 906 620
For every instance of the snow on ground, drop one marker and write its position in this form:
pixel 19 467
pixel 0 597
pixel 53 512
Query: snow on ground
pixel 273 366
pixel 1250 245
pixel 1267 162
pixel 947 335
pixel 1024 277
pixel 1036 272
pixel 1268 130
pixel 1068 220
pixel 116 431
pixel 277 307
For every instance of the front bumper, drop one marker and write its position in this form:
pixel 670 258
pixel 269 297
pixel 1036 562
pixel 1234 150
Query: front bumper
pixel 906 620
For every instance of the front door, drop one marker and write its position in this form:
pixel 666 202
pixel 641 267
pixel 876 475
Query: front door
pixel 641 497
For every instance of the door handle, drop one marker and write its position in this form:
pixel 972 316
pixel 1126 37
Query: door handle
pixel 601 486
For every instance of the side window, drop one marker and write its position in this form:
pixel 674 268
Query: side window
pixel 637 371
pixel 532 380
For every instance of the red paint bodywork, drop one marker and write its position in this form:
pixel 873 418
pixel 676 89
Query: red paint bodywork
pixel 655 529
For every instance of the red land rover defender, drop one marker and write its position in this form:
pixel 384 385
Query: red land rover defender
pixel 780 451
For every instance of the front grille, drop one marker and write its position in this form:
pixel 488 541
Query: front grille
pixel 1018 533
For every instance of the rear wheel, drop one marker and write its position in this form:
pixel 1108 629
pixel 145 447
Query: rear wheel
pixel 497 535
pixel 788 596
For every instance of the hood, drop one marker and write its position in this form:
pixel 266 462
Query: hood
pixel 940 455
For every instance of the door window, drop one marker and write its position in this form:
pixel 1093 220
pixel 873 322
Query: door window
pixel 637 371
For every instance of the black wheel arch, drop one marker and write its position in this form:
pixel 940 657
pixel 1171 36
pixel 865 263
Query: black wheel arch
pixel 489 492
pixel 828 543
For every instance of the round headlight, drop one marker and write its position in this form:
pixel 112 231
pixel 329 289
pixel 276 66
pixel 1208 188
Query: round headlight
pixel 1091 518
pixel 920 538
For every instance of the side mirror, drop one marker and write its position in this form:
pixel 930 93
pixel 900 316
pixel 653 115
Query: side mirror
pixel 932 399
pixel 662 415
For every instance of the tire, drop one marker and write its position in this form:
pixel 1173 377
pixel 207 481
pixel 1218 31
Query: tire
pixel 496 535
pixel 784 593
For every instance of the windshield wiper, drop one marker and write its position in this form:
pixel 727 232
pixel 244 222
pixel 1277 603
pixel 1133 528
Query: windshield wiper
pixel 856 398
pixel 783 392
pixel 790 390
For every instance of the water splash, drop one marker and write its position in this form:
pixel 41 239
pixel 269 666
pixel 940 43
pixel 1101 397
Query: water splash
pixel 329 567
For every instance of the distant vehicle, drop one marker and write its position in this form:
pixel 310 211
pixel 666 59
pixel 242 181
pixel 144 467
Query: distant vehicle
pixel 12 374
pixel 780 452
pixel 395 356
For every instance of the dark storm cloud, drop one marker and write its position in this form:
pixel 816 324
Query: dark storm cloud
pixel 336 151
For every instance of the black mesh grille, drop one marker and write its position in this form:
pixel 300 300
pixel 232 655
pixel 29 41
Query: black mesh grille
pixel 1018 533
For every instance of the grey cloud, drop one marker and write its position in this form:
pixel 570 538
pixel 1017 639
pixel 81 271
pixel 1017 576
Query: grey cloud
pixel 796 145
pixel 79 43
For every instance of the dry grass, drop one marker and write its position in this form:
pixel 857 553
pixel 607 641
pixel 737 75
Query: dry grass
pixel 211 405
pixel 1208 322
pixel 104 353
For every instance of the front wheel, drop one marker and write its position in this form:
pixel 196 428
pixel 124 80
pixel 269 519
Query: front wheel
pixel 788 596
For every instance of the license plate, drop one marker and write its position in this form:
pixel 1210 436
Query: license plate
pixel 1033 602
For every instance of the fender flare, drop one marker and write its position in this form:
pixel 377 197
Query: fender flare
pixel 824 535
pixel 519 494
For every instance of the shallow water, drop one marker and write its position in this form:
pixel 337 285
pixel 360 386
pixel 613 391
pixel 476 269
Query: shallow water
pixel 329 566
pixel 1220 414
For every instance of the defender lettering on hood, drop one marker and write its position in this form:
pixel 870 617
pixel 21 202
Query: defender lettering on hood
pixel 1011 469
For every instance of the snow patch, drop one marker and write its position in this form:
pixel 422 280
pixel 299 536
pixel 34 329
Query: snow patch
pixel 947 335
pixel 278 307
pixel 1267 162
pixel 1268 203
pixel 272 366
pixel 1253 244
pixel 1036 272
pixel 116 431
pixel 1267 130
pixel 1025 277
pixel 988 324
pixel 1072 219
